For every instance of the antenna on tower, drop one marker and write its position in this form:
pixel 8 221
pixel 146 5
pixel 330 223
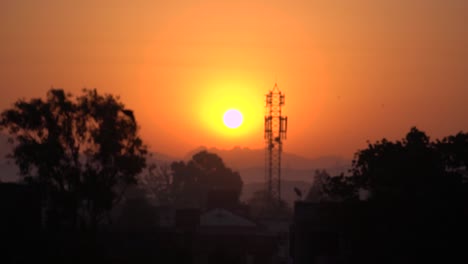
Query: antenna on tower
pixel 276 126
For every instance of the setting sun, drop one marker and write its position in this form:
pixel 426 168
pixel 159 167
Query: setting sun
pixel 232 118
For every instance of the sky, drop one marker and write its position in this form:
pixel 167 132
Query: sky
pixel 351 71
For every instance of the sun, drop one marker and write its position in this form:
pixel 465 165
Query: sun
pixel 233 118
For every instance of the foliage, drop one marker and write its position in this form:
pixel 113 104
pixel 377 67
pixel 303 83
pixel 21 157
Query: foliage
pixel 326 188
pixel 82 151
pixel 317 190
pixel 190 183
pixel 413 168
pixel 157 181
pixel 341 188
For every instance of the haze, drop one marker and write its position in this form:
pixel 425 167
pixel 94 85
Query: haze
pixel 352 71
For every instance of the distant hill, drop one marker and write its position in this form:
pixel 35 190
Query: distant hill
pixel 250 163
pixel 297 171
pixel 9 171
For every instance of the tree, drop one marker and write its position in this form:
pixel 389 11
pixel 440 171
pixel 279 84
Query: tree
pixel 317 190
pixel 454 151
pixel 83 152
pixel 341 188
pixel 414 185
pixel 326 188
pixel 204 173
pixel 411 169
pixel 158 182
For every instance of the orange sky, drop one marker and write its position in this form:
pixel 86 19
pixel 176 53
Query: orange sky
pixel 351 70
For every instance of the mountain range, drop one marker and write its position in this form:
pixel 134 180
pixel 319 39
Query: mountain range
pixel 250 163
pixel 297 171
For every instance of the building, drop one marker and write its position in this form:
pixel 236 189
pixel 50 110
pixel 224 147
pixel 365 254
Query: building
pixel 225 237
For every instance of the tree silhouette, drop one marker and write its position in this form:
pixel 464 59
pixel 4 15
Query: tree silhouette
pixel 317 190
pixel 326 188
pixel 157 181
pixel 82 152
pixel 341 188
pixel 204 173
pixel 411 169
pixel 454 151
pixel 417 194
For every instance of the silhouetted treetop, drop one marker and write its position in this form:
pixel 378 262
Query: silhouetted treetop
pixel 413 168
pixel 204 173
pixel 317 191
pixel 82 151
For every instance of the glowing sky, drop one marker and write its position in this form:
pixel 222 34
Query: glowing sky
pixel 351 70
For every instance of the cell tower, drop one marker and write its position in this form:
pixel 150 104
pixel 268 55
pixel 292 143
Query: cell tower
pixel 276 126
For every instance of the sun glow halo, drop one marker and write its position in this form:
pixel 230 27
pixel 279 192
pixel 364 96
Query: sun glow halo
pixel 232 118
pixel 218 107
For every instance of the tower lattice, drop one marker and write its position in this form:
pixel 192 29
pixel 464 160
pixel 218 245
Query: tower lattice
pixel 275 132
